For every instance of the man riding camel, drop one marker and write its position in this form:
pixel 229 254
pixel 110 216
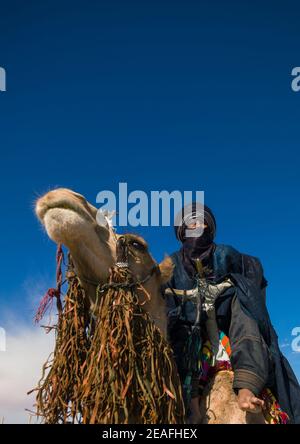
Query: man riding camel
pixel 214 291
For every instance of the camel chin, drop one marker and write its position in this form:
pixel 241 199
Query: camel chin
pixel 61 224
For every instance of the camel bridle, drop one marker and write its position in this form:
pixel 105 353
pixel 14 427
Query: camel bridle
pixel 123 251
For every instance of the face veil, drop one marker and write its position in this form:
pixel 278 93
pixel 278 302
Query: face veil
pixel 198 246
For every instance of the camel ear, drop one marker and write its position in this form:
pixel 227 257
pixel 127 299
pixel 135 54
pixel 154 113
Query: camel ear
pixel 166 269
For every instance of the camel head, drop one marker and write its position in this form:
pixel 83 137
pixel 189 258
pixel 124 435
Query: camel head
pixel 69 219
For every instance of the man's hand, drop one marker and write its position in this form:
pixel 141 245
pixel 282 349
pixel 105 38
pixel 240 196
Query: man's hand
pixel 248 402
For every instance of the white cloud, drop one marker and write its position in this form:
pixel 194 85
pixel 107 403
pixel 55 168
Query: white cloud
pixel 27 348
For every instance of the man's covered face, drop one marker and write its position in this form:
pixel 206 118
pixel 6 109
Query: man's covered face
pixel 198 244
pixel 195 220
pixel 194 226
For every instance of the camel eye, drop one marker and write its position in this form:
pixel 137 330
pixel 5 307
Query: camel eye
pixel 138 246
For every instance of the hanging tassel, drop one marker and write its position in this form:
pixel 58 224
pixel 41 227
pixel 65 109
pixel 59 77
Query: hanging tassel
pixel 191 362
pixel 58 391
pixel 47 299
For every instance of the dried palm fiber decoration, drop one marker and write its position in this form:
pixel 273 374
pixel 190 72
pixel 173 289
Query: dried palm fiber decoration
pixel 57 399
pixel 110 366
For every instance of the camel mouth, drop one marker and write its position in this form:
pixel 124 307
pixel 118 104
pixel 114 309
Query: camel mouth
pixel 43 208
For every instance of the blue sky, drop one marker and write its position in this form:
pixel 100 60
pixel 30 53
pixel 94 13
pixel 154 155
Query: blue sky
pixel 162 95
